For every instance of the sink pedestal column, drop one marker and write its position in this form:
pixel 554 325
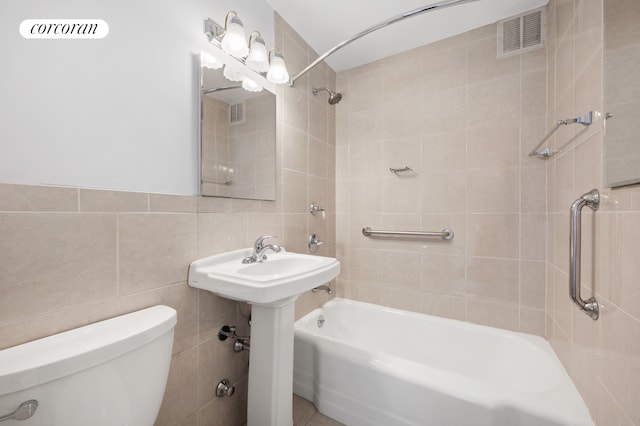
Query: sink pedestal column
pixel 271 364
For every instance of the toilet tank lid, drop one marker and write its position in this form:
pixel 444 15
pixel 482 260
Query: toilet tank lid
pixel 43 360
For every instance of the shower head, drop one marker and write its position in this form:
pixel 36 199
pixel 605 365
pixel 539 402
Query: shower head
pixel 334 97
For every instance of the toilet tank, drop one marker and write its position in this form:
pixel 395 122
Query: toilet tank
pixel 110 373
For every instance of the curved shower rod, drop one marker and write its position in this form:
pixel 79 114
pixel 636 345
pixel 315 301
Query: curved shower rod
pixel 219 89
pixel 397 18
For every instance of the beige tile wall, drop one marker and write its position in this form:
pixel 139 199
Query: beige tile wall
pixel 75 256
pixel 462 120
pixel 602 357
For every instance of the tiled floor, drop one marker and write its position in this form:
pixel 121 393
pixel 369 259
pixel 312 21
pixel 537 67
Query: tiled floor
pixel 305 414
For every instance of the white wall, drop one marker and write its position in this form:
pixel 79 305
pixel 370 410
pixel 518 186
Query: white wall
pixel 116 113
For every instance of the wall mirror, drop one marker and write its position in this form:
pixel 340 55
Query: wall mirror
pixel 621 92
pixel 237 131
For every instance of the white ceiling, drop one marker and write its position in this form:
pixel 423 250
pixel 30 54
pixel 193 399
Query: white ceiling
pixel 325 23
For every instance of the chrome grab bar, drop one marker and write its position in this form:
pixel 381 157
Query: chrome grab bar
pixel 592 200
pixel 445 234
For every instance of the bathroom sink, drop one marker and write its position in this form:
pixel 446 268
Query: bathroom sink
pixel 271 287
pixel 281 276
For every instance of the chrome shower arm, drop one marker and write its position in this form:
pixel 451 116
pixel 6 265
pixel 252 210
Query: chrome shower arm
pixel 397 18
pixel 334 97
pixel 315 90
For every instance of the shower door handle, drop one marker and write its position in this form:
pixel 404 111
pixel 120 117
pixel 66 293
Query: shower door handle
pixel 592 200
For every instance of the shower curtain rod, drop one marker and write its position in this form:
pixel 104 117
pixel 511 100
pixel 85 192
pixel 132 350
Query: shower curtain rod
pixel 219 89
pixel 397 18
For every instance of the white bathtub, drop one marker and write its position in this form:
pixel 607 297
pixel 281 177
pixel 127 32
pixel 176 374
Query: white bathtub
pixel 372 365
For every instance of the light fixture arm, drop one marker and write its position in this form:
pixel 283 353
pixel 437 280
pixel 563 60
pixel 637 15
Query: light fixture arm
pixel 272 50
pixel 252 38
pixel 218 30
pixel 397 18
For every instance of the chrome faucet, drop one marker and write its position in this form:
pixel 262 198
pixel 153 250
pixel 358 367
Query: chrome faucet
pixel 259 249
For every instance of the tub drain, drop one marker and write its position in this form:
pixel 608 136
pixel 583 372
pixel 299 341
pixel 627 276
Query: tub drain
pixel 320 321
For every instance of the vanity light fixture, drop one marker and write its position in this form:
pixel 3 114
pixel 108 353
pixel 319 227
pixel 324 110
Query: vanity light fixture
pixel 277 68
pixel 232 40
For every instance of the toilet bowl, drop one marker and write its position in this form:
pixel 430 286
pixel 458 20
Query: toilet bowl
pixel 110 373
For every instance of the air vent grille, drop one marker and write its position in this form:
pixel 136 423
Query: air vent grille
pixel 236 113
pixel 522 33
pixel 512 31
pixel 532 32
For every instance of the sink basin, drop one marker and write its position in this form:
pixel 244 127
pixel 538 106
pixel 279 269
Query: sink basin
pixel 282 275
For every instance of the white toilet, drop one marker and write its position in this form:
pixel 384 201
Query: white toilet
pixel 110 373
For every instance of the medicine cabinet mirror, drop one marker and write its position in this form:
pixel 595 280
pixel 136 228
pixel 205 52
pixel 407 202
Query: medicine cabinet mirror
pixel 237 133
pixel 621 92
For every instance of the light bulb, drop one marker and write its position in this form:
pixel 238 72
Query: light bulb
pixel 258 57
pixel 277 69
pixel 234 41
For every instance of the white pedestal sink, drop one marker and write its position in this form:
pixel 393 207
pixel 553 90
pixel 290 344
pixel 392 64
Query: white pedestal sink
pixel 271 287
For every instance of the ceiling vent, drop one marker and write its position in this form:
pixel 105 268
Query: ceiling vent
pixel 522 33
pixel 236 113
